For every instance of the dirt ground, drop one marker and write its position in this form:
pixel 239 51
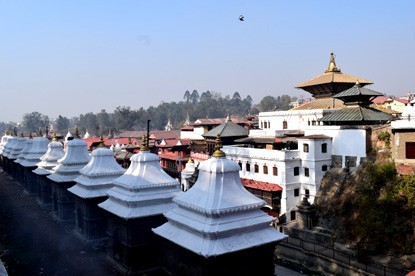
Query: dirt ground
pixel 32 243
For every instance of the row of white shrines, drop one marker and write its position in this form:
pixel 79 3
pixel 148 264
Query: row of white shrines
pixel 151 226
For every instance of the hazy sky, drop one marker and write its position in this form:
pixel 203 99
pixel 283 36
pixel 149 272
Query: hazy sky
pixel 72 57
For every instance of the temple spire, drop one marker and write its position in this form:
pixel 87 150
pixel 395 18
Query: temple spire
pixel 332 65
pixel 101 142
pixel 218 152
pixel 144 143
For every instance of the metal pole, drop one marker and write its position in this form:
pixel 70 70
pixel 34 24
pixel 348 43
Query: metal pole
pixel 148 133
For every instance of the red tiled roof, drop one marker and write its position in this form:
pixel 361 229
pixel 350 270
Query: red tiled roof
pixel 405 101
pixel 187 128
pixel 154 134
pixel 381 99
pixel 199 156
pixel 171 156
pixel 112 141
pixel 260 185
pixel 173 142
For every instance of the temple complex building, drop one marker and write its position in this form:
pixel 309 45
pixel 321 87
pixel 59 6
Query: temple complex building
pixel 287 157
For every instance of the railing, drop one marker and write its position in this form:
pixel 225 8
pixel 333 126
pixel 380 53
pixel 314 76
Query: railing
pixel 330 252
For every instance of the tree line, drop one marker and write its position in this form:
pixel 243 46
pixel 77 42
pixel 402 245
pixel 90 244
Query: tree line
pixel 193 106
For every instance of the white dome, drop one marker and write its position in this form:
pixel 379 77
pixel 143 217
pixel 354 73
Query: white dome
pixel 38 149
pixel 98 175
pixel 145 189
pixel 75 158
pixel 50 159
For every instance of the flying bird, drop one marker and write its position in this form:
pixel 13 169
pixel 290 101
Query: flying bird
pixel 241 18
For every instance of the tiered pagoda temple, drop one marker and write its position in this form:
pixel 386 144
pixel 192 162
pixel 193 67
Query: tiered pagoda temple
pixel 331 82
pixel 228 132
pixel 357 111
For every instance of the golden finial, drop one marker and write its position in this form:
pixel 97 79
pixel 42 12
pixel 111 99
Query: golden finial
pixel 190 160
pixel 332 65
pixel 101 142
pixel 54 138
pixel 144 143
pixel 218 152
pixel 357 83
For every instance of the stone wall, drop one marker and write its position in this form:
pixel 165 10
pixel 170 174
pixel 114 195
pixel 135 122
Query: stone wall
pixel 315 250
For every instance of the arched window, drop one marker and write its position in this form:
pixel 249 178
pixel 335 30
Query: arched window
pixel 256 168
pixel 274 170
pixel 265 169
pixel 284 124
pixel 248 167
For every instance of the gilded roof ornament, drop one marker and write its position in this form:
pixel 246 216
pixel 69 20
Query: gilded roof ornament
pixel 54 138
pixel 144 143
pixel 101 142
pixel 332 65
pixel 218 152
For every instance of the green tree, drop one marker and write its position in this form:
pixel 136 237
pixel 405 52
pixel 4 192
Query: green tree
pixel 268 103
pixel 104 123
pixel 35 121
pixel 88 122
pixel 61 124
pixel 187 96
pixel 194 97
pixel 124 119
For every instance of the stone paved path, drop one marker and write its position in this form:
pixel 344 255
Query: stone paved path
pixel 32 243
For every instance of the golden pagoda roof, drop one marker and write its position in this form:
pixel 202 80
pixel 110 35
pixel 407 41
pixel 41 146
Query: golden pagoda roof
pixel 332 103
pixel 331 82
pixel 321 103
